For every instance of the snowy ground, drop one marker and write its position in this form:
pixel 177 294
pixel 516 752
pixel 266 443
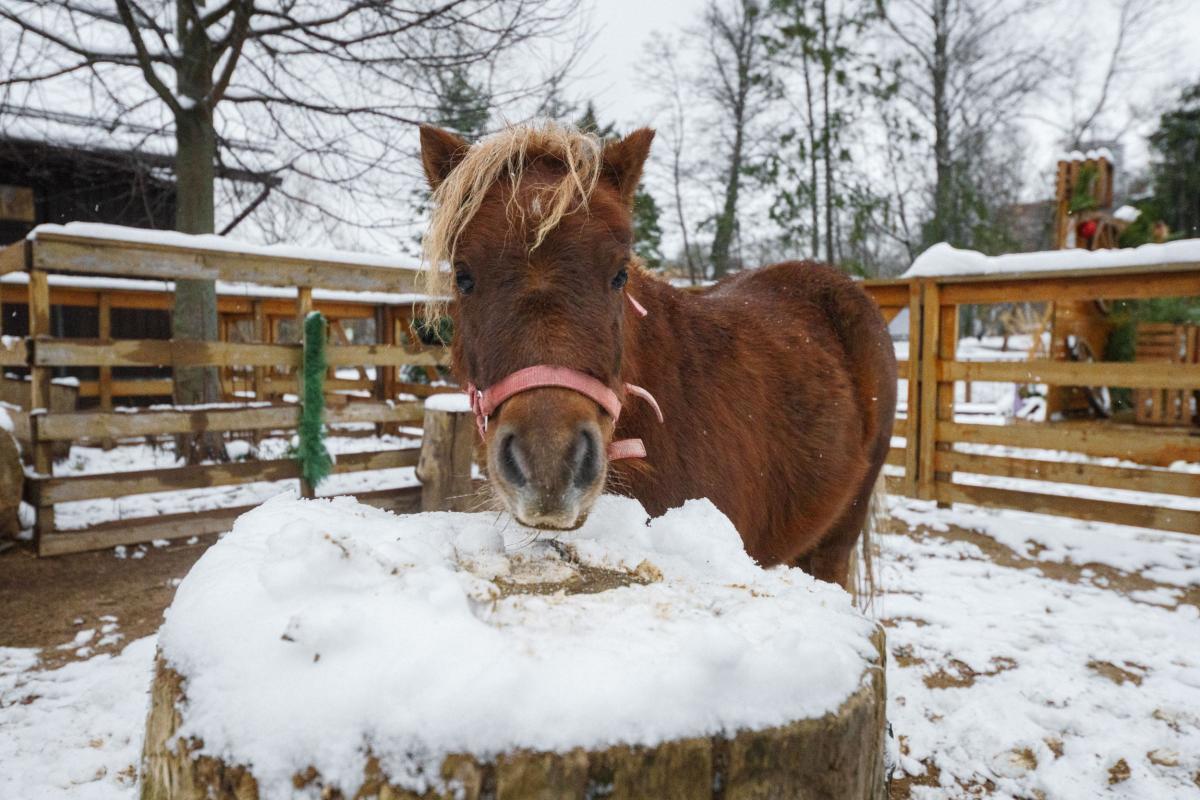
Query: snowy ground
pixel 130 457
pixel 1031 656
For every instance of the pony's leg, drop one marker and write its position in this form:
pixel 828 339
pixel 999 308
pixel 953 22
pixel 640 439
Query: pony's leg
pixel 830 559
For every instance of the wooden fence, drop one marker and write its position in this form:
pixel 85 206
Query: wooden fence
pixel 951 460
pixel 943 458
pixel 42 353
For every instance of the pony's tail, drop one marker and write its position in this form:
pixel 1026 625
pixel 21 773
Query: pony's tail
pixel 863 587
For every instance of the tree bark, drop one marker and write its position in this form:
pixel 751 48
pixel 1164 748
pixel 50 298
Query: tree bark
pixel 827 130
pixel 944 219
pixel 814 200
pixel 194 316
pixel 838 756
pixel 723 238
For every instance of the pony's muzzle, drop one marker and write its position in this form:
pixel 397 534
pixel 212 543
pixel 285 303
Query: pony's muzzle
pixel 546 458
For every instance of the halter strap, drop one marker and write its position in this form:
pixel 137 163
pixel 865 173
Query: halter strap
pixel 485 402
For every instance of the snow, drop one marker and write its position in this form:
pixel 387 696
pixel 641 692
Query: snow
pixel 945 260
pixel 132 457
pixel 1033 682
pixel 214 243
pixel 1090 155
pixel 1127 213
pixel 448 401
pixel 1031 604
pixel 223 288
pixel 320 629
pixel 73 732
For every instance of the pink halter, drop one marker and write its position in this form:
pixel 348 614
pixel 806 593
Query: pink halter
pixel 484 403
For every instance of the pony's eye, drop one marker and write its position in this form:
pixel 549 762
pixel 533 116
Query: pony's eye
pixel 620 278
pixel 464 281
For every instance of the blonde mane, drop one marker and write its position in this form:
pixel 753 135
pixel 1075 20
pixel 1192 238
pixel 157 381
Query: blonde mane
pixel 504 155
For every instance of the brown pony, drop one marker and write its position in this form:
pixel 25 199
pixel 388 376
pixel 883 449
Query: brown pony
pixel 778 385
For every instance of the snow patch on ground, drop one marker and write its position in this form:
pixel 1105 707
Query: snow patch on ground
pixel 1000 672
pixel 133 457
pixel 1004 677
pixel 76 731
pixel 1172 557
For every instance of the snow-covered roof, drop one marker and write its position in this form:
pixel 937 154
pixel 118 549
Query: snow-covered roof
pixel 317 631
pixel 944 260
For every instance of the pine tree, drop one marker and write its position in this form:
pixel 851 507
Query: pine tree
pixel 462 107
pixel 1176 169
pixel 647 231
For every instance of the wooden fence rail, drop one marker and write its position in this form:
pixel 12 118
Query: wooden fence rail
pixel 949 460
pixel 271 369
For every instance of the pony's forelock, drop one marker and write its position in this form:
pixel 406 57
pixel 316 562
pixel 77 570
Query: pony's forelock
pixel 505 155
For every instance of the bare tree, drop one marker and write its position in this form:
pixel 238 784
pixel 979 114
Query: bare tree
pixel 965 68
pixel 1137 45
pixel 734 82
pixel 330 86
pixel 664 75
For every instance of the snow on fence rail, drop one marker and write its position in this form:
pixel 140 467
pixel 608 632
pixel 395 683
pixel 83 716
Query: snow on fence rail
pixel 119 254
pixel 1043 466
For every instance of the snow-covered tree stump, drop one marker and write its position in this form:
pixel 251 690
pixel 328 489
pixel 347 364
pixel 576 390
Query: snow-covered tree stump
pixel 329 649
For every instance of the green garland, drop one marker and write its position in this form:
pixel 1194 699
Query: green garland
pixel 1083 195
pixel 315 463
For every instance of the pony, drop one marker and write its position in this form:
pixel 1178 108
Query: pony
pixel 776 387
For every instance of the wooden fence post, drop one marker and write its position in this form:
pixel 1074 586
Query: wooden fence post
pixel 444 467
pixel 39 393
pixel 259 333
pixel 104 377
pixel 930 322
pixel 912 439
pixel 947 351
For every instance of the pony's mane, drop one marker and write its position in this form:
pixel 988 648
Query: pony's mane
pixel 504 156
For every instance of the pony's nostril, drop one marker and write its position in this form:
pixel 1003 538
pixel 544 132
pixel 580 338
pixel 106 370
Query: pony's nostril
pixel 510 464
pixel 585 459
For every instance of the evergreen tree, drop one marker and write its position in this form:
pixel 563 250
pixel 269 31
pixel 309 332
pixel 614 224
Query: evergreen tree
pixel 818 200
pixel 589 122
pixel 1176 169
pixel 647 231
pixel 462 107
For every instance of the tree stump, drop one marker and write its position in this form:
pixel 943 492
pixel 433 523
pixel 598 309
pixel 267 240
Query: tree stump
pixel 836 754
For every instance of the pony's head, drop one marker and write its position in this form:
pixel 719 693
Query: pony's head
pixel 532 235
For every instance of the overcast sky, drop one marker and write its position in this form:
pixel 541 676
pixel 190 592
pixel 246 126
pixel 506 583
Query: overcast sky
pixel 623 27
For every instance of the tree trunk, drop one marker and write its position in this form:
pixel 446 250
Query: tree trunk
pixel 723 238
pixel 827 131
pixel 839 756
pixel 194 316
pixel 814 200
pixel 944 216
pixel 688 256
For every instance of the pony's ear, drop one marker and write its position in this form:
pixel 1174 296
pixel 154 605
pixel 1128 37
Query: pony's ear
pixel 623 161
pixel 440 152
